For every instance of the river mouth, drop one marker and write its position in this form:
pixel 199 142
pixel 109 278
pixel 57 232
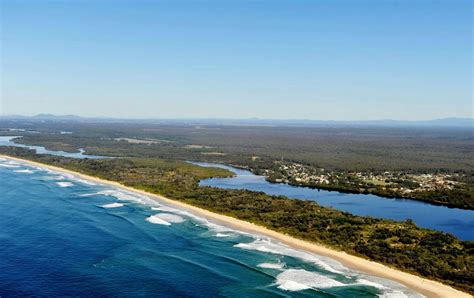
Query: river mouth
pixel 459 222
pixel 8 141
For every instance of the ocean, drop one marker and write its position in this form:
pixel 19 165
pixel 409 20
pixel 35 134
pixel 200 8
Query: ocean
pixel 64 236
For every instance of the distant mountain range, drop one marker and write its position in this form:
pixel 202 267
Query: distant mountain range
pixel 45 117
pixel 445 122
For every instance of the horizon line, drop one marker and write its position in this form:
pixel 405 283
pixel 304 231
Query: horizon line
pixel 46 115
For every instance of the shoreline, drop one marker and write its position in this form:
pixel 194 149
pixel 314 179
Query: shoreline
pixel 345 190
pixel 375 193
pixel 423 286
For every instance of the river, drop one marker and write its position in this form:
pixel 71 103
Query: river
pixel 458 222
pixel 8 141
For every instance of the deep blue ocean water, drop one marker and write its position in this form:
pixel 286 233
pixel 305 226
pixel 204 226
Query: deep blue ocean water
pixel 456 221
pixel 60 235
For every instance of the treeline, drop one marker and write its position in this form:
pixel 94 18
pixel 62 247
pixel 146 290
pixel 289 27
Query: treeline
pixel 344 149
pixel 402 245
pixel 257 148
pixel 460 196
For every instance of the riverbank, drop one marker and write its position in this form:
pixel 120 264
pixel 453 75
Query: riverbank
pixel 394 196
pixel 448 189
pixel 423 286
pixel 357 204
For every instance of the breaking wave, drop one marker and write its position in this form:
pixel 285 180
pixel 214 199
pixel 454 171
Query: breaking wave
pixel 171 218
pixel 298 279
pixel 26 171
pixel 6 165
pixel 128 196
pixel 269 246
pixel 276 266
pixel 221 231
pixel 64 184
pixel 112 205
pixel 156 220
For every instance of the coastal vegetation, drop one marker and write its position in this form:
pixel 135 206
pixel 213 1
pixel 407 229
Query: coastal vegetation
pixel 453 190
pixel 427 164
pixel 401 245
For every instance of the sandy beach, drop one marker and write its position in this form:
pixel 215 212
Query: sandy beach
pixel 424 286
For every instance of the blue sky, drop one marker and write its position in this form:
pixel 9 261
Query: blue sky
pixel 340 60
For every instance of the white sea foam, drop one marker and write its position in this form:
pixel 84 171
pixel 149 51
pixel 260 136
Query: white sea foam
pixel 26 171
pixel 389 289
pixel 112 205
pixel 277 266
pixel 83 181
pixel 6 165
pixel 122 196
pixel 88 194
pixel 59 175
pixel 67 175
pixel 54 177
pixel 220 230
pixel 64 176
pixel 156 220
pixel 170 218
pixel 299 279
pixel 128 196
pixel 64 184
pixel 369 283
pixel 73 178
pixel 395 294
pixel 281 249
pixel 165 209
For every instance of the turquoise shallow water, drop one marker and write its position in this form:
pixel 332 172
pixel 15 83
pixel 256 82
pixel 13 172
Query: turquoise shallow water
pixel 60 235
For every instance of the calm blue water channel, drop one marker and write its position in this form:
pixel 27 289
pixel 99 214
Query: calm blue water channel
pixel 8 141
pixel 456 221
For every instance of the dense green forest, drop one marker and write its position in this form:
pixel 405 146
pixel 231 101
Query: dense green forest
pixel 402 245
pixel 340 148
